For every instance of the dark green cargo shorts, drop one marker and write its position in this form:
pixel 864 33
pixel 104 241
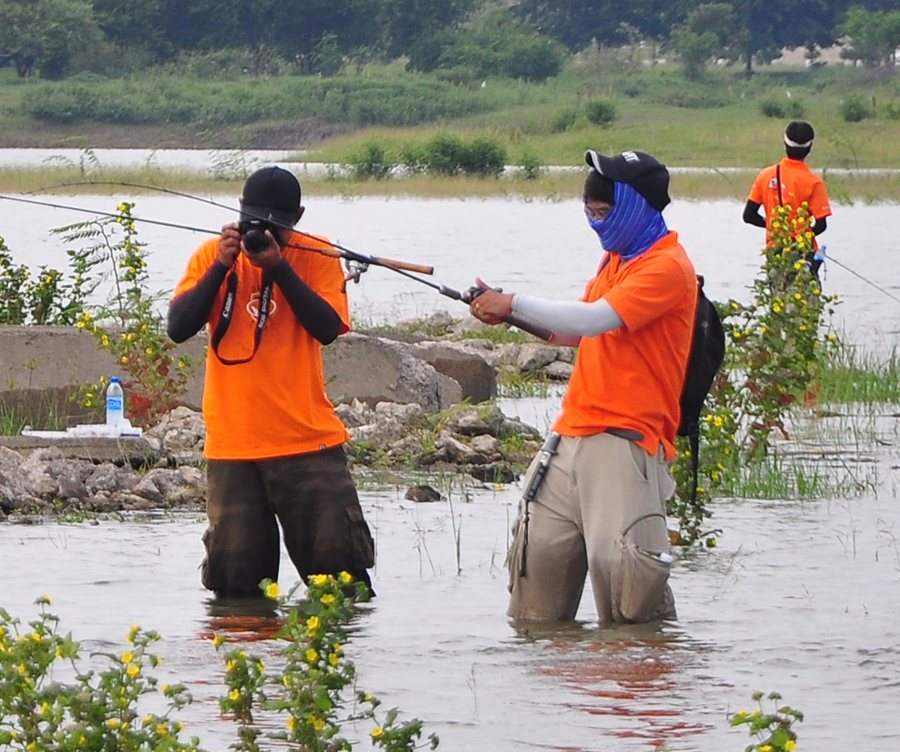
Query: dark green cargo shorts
pixel 311 496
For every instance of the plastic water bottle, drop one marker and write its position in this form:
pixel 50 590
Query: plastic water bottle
pixel 115 403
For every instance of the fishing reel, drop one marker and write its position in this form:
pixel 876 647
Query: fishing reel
pixel 355 269
pixel 467 296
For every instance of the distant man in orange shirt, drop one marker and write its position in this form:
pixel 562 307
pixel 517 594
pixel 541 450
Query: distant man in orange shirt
pixel 790 183
pixel 595 498
pixel 274 444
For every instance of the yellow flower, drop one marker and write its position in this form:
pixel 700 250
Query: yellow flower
pixel 334 659
pixel 318 580
pixel 328 599
pixel 312 623
pixel 291 723
pixel 376 732
pixel 790 745
pixel 345 577
pixel 133 633
pixel 230 666
pixel 218 640
pixel 272 590
pixel 123 360
pixel 312 655
pixel 765 748
pixel 133 671
pixel 234 695
pixel 317 723
pixel 127 657
pixel 113 723
pixel 161 729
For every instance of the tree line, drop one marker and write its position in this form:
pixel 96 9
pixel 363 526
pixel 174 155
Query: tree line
pixel 523 39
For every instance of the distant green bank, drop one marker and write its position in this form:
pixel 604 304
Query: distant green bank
pixel 719 120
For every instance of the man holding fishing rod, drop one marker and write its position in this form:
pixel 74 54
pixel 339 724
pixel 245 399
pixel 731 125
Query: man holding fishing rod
pixel 790 183
pixel 595 495
pixel 274 444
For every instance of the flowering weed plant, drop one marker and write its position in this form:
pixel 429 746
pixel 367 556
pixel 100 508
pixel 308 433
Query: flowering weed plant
pixel 129 324
pixel 773 731
pixel 95 711
pixel 313 688
pixel 774 350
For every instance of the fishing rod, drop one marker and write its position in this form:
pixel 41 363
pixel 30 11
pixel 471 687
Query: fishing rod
pixel 357 263
pixel 347 253
pixel 334 250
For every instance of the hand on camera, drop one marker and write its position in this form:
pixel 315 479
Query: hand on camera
pixel 266 254
pixel 229 244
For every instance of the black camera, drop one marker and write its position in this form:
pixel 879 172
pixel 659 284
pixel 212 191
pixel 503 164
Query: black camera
pixel 253 234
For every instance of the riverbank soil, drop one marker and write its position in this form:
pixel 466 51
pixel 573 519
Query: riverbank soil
pixel 283 135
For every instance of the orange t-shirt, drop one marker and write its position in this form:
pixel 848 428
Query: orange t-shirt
pixel 632 377
pixel 274 405
pixel 798 184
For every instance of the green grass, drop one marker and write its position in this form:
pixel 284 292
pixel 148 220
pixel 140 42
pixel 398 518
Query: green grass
pixel 716 121
pixel 854 376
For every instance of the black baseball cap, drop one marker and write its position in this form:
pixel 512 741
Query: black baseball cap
pixel 642 172
pixel 271 193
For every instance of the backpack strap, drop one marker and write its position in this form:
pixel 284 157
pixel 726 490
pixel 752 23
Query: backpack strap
pixel 778 183
pixel 694 440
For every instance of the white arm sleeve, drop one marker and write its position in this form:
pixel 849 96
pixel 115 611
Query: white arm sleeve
pixel 568 317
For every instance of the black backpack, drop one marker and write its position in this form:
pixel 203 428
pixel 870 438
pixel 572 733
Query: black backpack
pixel 704 361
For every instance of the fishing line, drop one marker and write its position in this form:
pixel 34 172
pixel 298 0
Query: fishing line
pixel 340 251
pixel 829 257
pixel 348 253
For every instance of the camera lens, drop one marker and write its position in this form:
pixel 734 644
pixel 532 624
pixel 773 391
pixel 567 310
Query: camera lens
pixel 255 240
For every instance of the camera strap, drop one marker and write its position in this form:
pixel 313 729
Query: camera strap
pixel 262 318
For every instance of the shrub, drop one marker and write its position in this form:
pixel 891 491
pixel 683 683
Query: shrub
pixel 532 58
pixel 563 121
pixel 370 161
pixel 531 165
pixel 483 156
pixel 443 155
pixel 449 155
pixel 601 113
pixel 771 108
pixel 853 109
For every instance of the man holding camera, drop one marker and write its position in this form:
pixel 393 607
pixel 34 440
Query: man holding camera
pixel 272 296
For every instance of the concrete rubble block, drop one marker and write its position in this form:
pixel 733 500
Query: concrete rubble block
pixel 465 365
pixel 374 369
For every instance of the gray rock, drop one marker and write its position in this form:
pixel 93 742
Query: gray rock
pixel 422 494
pixel 534 357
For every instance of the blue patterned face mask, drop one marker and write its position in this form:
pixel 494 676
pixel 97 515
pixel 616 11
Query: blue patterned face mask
pixel 631 227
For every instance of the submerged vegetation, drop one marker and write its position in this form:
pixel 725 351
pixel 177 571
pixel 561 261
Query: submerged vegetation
pixel 312 690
